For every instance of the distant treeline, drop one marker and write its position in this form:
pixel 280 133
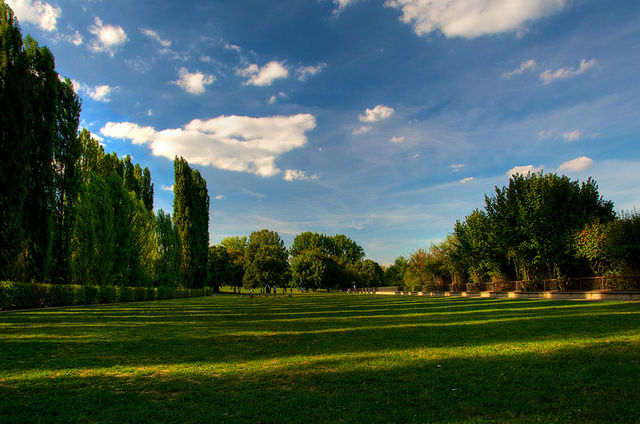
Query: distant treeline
pixel 69 212
pixel 541 226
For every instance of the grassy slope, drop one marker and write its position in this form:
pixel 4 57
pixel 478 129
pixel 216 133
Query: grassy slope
pixel 323 358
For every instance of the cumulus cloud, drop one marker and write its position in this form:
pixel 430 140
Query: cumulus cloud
pixel 234 143
pixel 524 170
pixel 396 140
pixel 563 73
pixel 341 4
pixel 470 19
pixel 265 75
pixel 524 66
pixel 305 72
pixel 376 114
pixel 153 34
pixel 362 130
pixel 109 38
pixel 294 174
pixel 572 135
pixel 575 165
pixel 274 98
pixel 195 82
pixel 36 12
pixel 99 93
pixel 167 188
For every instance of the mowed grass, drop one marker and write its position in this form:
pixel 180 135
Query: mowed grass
pixel 323 358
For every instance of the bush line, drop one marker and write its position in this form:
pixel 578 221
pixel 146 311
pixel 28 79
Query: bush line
pixel 34 295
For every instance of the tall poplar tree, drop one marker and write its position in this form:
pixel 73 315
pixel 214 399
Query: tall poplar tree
pixel 191 219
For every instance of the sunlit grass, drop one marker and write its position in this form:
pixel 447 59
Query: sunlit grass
pixel 323 358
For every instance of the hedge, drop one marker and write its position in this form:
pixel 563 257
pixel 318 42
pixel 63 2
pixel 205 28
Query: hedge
pixel 33 295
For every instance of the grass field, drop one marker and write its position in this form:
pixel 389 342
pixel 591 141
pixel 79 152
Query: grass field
pixel 323 358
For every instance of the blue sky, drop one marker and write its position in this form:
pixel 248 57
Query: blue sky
pixel 382 120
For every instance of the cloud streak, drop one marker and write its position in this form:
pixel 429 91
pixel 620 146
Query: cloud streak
pixel 549 76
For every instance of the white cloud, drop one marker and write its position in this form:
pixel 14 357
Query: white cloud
pixel 572 135
pixel 75 38
pixel 376 114
pixel 234 143
pixel 206 59
pixel 109 38
pixel 304 72
pixel 341 4
pixel 362 130
pixel 167 188
pixel 99 93
pixel 544 134
pixel 396 140
pixel 274 98
pixel 472 18
pixel 265 75
pixel 466 180
pixel 578 164
pixel 524 66
pixel 415 156
pixel 456 166
pixel 36 12
pixel 563 73
pixel 524 170
pixel 293 174
pixel 193 83
pixel 219 197
pixel 153 34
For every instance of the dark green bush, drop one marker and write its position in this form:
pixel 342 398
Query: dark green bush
pixel 60 295
pixel 139 293
pixel 126 294
pixel 6 295
pixel 108 294
pixel 161 293
pixel 151 293
pixel 92 294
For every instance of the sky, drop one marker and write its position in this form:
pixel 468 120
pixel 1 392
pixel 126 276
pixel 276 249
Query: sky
pixel 384 120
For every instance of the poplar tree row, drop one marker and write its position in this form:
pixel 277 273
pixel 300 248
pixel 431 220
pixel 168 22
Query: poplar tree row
pixel 71 213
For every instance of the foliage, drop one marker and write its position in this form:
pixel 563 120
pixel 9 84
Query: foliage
pixel 191 219
pixel 394 274
pixel 265 260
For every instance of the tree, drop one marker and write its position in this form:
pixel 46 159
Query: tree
pixel 309 269
pixel 220 267
pixel 191 218
pixel 167 268
pixel 394 274
pixel 265 260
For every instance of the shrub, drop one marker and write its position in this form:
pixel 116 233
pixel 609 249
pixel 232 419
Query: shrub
pixel 126 294
pixel 59 295
pixel 151 293
pixel 161 293
pixel 139 293
pixel 92 294
pixel 79 295
pixel 108 294
pixel 6 295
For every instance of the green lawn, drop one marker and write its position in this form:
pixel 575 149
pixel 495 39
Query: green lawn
pixel 323 358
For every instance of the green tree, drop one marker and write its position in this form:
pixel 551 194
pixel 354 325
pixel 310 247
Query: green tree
pixel 167 268
pixel 394 274
pixel 191 218
pixel 265 260
pixel 309 269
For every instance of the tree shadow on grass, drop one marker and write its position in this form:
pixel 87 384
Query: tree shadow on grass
pixel 566 385
pixel 147 334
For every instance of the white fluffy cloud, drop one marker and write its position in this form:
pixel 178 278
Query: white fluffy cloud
pixel 265 75
pixel 524 66
pixel 99 93
pixel 36 12
pixel 153 34
pixel 466 180
pixel 472 18
pixel 362 130
pixel 524 170
pixel 294 174
pixel 305 72
pixel 563 73
pixel 376 114
pixel 578 164
pixel 109 38
pixel 195 82
pixel 234 143
pixel 572 135
pixel 396 140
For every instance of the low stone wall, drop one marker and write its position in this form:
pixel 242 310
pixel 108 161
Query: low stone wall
pixel 568 295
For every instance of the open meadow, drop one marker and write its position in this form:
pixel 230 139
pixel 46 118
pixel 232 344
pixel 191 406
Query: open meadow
pixel 323 358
